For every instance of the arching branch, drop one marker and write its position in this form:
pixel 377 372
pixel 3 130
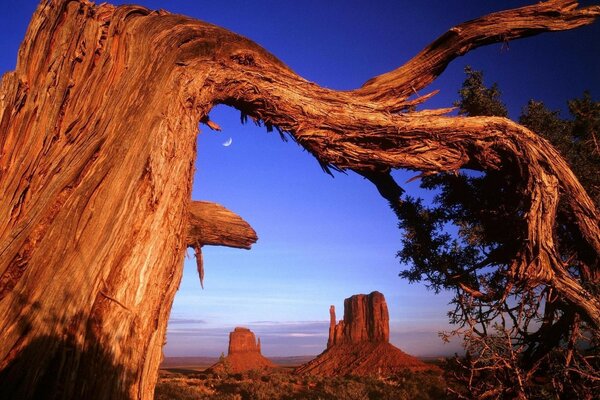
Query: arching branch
pixel 425 67
pixel 352 130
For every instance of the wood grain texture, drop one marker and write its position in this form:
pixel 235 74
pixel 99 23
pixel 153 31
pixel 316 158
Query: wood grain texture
pixel 98 127
pixel 503 26
pixel 214 225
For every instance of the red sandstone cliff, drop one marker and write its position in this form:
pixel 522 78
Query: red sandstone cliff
pixel 243 353
pixel 366 319
pixel 242 340
pixel 359 344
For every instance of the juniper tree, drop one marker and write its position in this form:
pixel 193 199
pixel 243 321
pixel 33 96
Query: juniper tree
pixel 516 335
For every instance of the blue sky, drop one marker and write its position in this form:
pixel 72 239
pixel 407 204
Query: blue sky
pixel 322 239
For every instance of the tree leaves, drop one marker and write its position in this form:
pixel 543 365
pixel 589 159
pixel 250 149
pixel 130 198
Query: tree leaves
pixel 466 239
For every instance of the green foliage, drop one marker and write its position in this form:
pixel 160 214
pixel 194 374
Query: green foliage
pixel 476 99
pixel 466 240
pixel 576 139
pixel 475 223
pixel 484 210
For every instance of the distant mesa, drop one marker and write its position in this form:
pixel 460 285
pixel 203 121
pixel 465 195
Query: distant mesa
pixel 359 344
pixel 243 353
pixel 366 319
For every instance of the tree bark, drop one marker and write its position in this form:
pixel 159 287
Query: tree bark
pixel 213 224
pixel 97 148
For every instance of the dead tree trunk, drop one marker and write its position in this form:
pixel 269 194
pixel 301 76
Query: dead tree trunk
pixel 97 147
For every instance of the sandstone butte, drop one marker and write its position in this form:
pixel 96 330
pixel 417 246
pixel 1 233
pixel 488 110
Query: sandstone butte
pixel 359 344
pixel 243 353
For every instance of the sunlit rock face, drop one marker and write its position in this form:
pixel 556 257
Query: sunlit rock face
pixel 359 344
pixel 243 353
pixel 366 319
pixel 242 340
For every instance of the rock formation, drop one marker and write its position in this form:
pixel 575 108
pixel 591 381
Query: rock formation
pixel 359 344
pixel 242 340
pixel 366 318
pixel 243 353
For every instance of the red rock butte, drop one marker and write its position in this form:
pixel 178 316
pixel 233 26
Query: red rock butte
pixel 243 353
pixel 359 344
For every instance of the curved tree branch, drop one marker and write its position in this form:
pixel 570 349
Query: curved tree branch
pixel 347 131
pixel 425 67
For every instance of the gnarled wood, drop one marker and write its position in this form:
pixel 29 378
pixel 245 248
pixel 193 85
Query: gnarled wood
pixel 213 225
pixel 97 146
pixel 425 67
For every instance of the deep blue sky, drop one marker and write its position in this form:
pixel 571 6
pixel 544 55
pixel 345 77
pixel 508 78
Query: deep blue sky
pixel 323 239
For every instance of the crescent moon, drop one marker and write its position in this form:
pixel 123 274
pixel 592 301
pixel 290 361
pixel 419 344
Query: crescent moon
pixel 228 142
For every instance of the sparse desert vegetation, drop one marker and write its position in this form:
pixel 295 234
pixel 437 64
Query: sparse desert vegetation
pixel 282 384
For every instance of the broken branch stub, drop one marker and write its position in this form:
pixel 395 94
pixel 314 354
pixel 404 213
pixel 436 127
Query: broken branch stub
pixel 213 225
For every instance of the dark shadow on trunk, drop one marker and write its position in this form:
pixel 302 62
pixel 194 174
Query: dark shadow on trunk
pixel 62 376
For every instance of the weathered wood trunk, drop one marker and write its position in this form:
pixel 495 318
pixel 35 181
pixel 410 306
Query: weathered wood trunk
pixel 97 147
pixel 97 138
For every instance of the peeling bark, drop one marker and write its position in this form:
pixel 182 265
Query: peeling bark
pixel 97 147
